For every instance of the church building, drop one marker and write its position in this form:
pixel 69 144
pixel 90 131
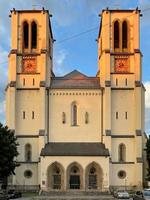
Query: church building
pixel 77 132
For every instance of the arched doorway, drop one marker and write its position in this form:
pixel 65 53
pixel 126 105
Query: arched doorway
pixel 74 176
pixel 94 177
pixel 55 177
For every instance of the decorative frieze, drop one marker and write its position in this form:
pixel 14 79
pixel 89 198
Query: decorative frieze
pixel 74 93
pixel 121 64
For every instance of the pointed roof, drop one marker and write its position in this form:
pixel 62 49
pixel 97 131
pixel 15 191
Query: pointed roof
pixel 75 74
pixel 75 80
pixel 74 149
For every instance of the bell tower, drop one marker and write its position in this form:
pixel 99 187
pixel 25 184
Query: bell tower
pixel 29 76
pixel 120 73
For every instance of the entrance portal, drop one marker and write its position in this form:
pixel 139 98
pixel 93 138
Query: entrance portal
pixel 55 176
pixel 94 177
pixel 74 176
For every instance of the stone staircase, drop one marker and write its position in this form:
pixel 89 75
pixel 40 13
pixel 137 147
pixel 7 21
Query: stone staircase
pixel 74 195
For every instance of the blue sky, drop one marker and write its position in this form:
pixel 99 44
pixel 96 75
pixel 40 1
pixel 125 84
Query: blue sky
pixel 71 17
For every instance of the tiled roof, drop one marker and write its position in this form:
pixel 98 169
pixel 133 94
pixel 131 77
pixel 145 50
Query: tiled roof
pixel 74 149
pixel 75 80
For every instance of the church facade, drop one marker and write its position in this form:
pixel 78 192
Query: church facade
pixel 77 132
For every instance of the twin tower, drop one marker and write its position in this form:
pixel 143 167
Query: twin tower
pixel 77 132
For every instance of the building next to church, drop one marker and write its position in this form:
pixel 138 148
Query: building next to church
pixel 75 131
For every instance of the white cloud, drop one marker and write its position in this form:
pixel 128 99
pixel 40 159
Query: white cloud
pixel 2 107
pixel 147 94
pixel 59 62
pixel 145 6
pixel 147 107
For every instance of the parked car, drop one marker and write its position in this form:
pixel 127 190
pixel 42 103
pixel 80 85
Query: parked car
pixel 14 194
pixel 123 195
pixel 138 195
pixel 115 193
pixel 145 195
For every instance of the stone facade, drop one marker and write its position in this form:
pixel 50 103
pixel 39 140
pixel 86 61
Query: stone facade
pixel 77 132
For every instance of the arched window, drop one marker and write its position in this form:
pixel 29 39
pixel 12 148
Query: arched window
pixel 25 35
pixel 28 153
pixel 33 35
pixel 116 34
pixel 124 35
pixel 122 153
pixel 74 114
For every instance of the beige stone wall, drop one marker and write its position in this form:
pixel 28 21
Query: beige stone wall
pixel 34 149
pixel 28 101
pixel 133 175
pixel 20 179
pixel 130 147
pixel 123 101
pixel 89 102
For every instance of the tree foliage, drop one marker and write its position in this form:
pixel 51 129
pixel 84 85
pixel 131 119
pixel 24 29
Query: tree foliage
pixel 148 158
pixel 8 152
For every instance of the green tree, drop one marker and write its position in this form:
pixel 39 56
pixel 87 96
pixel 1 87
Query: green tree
pixel 8 154
pixel 148 158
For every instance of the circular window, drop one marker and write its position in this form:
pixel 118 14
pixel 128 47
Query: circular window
pixel 92 170
pixel 28 174
pixel 74 170
pixel 122 174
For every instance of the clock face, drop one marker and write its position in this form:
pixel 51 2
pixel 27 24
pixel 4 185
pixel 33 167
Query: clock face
pixel 121 65
pixel 29 64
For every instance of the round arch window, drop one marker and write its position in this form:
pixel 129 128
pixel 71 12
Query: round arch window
pixel 28 174
pixel 121 174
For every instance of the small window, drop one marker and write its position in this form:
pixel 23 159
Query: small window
pixel 34 35
pixel 116 82
pixel 122 174
pixel 33 82
pixel 24 82
pixel 74 114
pixel 28 174
pixel 32 114
pixel 86 118
pixel 126 115
pixel 24 115
pixel 126 81
pixel 117 115
pixel 63 118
